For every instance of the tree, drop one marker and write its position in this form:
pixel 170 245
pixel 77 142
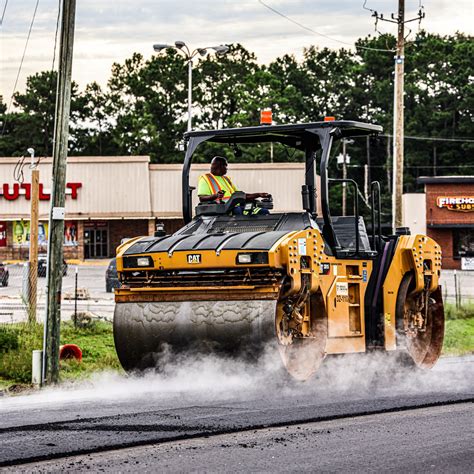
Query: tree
pixel 229 89
pixel 147 105
pixel 92 134
pixel 33 124
pixel 143 109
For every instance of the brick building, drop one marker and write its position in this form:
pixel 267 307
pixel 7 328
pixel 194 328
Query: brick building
pixel 450 218
pixel 111 198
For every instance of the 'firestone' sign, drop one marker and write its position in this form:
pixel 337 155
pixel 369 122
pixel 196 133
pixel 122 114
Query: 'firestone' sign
pixel 458 203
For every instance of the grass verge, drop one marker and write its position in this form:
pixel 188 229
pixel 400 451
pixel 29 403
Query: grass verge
pixel 459 330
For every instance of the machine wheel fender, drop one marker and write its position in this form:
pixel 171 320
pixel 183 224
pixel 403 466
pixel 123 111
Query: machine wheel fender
pixel 418 254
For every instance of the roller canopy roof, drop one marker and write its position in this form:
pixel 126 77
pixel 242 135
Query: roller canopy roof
pixel 293 135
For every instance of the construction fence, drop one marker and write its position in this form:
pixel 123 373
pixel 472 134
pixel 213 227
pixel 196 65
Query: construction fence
pixel 83 291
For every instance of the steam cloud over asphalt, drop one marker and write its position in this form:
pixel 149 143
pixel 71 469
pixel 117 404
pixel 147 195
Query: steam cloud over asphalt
pixel 206 378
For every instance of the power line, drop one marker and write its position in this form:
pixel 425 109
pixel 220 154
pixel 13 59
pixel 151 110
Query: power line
pixel 418 166
pixel 434 139
pixel 304 27
pixel 51 81
pixel 19 69
pixel 3 13
pixel 56 34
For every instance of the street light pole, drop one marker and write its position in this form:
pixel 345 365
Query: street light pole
pixel 182 47
pixel 344 176
pixel 190 93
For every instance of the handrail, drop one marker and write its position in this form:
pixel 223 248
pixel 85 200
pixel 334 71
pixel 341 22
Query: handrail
pixel 375 196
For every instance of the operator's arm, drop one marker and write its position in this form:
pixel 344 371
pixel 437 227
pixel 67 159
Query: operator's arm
pixel 211 197
pixel 248 196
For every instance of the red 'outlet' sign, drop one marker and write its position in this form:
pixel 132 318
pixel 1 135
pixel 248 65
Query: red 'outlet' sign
pixel 11 192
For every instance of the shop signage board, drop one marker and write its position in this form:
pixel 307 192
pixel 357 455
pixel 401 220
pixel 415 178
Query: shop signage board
pixel 456 203
pixel 467 263
pixel 21 233
pixel 11 192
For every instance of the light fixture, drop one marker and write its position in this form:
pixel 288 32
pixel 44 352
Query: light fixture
pixel 159 47
pixel 221 49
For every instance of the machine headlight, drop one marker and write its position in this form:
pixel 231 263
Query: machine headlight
pixel 252 258
pixel 244 258
pixel 134 262
pixel 144 262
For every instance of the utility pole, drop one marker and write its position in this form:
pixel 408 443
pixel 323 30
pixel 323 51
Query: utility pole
pixel 397 211
pixel 33 270
pixel 398 107
pixel 58 197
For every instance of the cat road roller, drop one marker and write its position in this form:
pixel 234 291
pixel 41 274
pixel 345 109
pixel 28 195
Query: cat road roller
pixel 300 284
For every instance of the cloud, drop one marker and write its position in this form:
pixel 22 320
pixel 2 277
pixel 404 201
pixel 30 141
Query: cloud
pixel 108 32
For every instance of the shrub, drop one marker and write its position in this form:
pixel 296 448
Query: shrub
pixel 8 339
pixel 15 363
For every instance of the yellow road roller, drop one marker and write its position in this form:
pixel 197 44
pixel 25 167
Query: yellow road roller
pixel 301 284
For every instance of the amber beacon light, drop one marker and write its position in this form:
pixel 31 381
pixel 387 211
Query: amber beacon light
pixel 266 117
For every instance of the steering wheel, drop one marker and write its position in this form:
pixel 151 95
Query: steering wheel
pixel 265 203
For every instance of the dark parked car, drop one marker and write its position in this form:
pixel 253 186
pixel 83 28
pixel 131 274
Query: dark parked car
pixel 111 277
pixel 43 263
pixel 4 274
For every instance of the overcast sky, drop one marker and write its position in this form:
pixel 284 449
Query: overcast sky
pixel 109 31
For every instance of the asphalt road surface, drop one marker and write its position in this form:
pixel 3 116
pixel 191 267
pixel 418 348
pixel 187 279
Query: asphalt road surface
pixel 214 415
pixel 421 440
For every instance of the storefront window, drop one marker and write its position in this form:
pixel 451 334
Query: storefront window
pixel 3 234
pixel 70 233
pixel 463 243
pixel 21 233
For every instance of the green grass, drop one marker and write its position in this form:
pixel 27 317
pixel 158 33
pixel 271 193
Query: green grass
pixel 17 341
pixel 466 311
pixel 459 330
pixel 98 350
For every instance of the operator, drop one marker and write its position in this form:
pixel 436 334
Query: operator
pixel 216 186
